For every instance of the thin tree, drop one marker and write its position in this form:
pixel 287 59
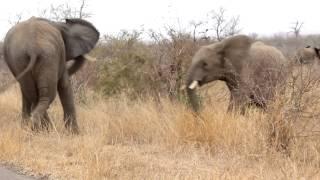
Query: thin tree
pixel 222 26
pixel 195 25
pixel 296 28
pixel 82 14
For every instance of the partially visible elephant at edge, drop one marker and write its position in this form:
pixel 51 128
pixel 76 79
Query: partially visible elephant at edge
pixel 307 55
pixel 251 70
pixel 36 52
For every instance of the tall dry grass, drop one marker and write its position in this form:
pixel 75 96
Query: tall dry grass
pixel 147 139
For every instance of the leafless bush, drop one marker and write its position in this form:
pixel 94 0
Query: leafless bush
pixel 83 82
pixel 296 113
pixel 61 12
pixel 222 26
pixel 172 55
pixel 57 12
pixel 296 28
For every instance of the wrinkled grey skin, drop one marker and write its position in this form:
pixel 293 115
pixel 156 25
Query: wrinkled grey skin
pixel 36 52
pixel 251 71
pixel 307 55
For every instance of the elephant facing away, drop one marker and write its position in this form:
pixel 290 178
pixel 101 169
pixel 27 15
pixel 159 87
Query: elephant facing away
pixel 251 70
pixel 36 52
pixel 307 55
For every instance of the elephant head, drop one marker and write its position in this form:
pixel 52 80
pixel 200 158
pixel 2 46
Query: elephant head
pixel 307 55
pixel 219 61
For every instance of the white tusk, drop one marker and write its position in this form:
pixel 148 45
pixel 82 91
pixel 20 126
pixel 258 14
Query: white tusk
pixel 89 58
pixel 193 85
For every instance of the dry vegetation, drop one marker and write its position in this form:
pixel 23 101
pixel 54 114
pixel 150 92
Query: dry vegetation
pixel 135 123
pixel 147 139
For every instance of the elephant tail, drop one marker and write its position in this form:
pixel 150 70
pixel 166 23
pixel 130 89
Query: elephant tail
pixel 33 59
pixel 32 62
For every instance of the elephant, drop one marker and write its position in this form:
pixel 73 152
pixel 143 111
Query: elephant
pixel 251 70
pixel 36 52
pixel 307 55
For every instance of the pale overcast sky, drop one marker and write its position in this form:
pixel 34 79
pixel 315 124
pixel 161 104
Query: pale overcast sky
pixel 264 17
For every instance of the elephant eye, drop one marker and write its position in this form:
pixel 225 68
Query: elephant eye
pixel 204 65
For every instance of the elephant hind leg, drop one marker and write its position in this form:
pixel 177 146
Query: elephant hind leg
pixel 29 98
pixel 67 101
pixel 46 88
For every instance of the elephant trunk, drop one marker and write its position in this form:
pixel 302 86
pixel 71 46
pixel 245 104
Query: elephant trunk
pixel 79 62
pixel 193 99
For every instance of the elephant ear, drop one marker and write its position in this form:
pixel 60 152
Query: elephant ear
pixel 235 49
pixel 79 36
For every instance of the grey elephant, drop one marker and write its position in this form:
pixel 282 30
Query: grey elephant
pixel 251 70
pixel 307 55
pixel 36 52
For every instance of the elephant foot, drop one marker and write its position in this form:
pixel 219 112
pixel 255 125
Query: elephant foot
pixel 40 122
pixel 74 129
pixel 46 123
pixel 71 124
pixel 35 122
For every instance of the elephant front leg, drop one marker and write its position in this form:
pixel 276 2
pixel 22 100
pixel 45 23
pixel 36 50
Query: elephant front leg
pixel 67 101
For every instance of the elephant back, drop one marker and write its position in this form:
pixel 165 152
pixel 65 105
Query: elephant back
pixel 265 70
pixel 32 38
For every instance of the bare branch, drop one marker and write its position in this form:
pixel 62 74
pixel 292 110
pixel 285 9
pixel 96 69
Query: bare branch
pixel 16 19
pixel 296 28
pixel 233 26
pixel 195 25
pixel 64 11
pixel 81 13
pixel 222 26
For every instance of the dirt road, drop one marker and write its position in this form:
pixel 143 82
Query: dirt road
pixel 6 174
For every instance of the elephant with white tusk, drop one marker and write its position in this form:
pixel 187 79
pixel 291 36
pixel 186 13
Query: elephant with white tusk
pixel 251 71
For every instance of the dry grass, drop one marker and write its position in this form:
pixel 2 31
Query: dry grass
pixel 121 139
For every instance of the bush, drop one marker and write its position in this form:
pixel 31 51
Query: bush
pixel 126 67
pixel 137 67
